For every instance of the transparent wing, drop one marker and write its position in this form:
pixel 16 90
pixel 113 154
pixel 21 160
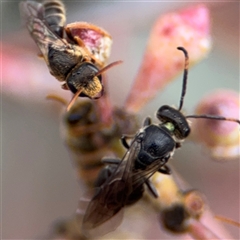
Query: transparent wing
pixel 32 14
pixel 139 176
pixel 111 197
pixel 29 9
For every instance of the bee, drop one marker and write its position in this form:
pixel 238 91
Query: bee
pixel 149 151
pixel 90 136
pixel 123 183
pixel 76 60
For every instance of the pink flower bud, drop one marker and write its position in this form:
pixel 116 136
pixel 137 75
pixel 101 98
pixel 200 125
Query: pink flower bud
pixel 220 137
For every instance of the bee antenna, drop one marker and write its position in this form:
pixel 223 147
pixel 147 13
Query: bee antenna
pixel 206 116
pixel 64 101
pixel 108 67
pixel 57 98
pixel 73 100
pixel 185 74
pixel 227 220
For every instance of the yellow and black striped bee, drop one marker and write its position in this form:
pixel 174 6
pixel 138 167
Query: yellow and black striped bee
pixel 92 130
pixel 75 54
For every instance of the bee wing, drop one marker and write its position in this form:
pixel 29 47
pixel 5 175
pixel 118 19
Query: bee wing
pixel 30 9
pixel 110 198
pixel 129 159
pixel 140 177
pixel 32 14
pixel 95 213
pixel 95 219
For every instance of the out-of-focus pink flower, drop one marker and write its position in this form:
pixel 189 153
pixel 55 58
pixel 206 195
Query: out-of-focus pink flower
pixel 184 212
pixel 26 77
pixel 162 62
pixel 222 138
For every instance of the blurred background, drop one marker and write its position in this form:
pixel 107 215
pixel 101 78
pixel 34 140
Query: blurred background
pixel 37 179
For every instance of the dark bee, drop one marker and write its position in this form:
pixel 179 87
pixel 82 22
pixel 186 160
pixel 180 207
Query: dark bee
pixel 76 60
pixel 122 185
pixel 149 151
pixel 119 184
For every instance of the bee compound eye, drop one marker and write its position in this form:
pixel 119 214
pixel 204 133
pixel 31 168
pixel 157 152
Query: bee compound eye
pixel 167 114
pixel 162 112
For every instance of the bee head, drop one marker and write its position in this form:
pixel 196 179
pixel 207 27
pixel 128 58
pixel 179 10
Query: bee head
pixel 85 80
pixel 85 77
pixel 174 120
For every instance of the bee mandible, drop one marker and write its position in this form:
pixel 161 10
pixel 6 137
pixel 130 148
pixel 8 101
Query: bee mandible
pixel 78 59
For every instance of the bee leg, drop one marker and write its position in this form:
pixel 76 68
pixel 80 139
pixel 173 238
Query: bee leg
pixel 75 39
pixel 79 41
pixel 40 55
pixel 147 121
pixel 109 160
pixel 124 141
pixel 178 145
pixel 152 188
pixel 165 170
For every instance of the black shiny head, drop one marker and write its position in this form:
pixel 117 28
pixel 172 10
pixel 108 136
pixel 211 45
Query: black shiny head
pixel 167 114
pixel 85 76
pixel 173 119
pixel 85 80
pixel 156 145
